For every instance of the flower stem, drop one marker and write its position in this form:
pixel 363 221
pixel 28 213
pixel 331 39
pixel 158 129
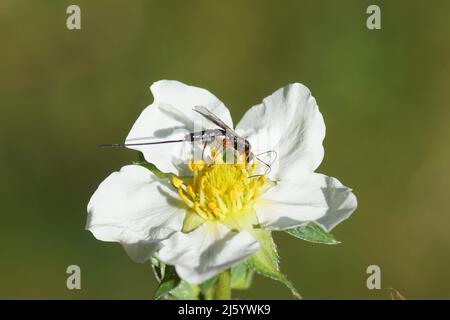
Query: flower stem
pixel 223 286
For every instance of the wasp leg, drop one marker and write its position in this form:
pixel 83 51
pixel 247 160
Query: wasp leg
pixel 205 143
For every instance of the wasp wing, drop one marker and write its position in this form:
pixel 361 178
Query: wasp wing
pixel 214 119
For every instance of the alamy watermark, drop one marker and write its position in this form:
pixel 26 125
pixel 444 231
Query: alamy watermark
pixel 374 278
pixel 374 20
pixel 73 281
pixel 73 21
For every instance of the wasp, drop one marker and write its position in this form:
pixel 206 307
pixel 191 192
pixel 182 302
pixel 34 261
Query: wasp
pixel 229 138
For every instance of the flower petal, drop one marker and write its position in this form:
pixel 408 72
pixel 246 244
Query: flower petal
pixel 135 208
pixel 206 251
pixel 316 197
pixel 171 117
pixel 288 122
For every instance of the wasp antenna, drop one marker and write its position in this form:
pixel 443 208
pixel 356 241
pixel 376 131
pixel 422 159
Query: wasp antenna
pixel 122 145
pixel 112 145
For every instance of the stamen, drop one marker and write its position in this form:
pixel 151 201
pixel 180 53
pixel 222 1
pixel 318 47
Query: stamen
pixel 190 191
pixel 177 182
pixel 219 190
pixel 183 197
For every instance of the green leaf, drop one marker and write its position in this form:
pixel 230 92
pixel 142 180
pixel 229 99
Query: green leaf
pixel 241 276
pixel 155 170
pixel 191 221
pixel 313 233
pixel 168 283
pixel 185 291
pixel 265 261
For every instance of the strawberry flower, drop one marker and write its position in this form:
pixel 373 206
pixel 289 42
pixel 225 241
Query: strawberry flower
pixel 204 214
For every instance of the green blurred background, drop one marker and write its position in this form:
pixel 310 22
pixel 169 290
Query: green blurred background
pixel 384 95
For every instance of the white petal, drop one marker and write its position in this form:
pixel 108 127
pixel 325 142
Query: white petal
pixel 315 197
pixel 206 251
pixel 288 122
pixel 135 208
pixel 171 117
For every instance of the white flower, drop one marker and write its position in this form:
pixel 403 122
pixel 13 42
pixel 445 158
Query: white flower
pixel 202 222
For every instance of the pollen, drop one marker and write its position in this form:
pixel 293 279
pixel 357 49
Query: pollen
pixel 219 190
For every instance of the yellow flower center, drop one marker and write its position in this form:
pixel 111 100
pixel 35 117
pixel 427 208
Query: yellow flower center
pixel 221 191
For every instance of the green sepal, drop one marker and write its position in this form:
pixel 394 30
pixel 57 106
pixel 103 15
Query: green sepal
pixel 150 166
pixel 159 268
pixel 169 282
pixel 170 285
pixel 265 261
pixel 313 233
pixel 191 221
pixel 241 276
pixel 185 291
pixel 208 283
pixel 207 288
